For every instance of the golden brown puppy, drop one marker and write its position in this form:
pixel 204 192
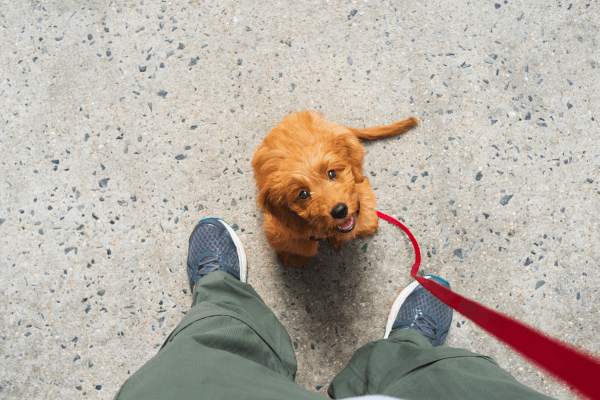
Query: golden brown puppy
pixel 310 184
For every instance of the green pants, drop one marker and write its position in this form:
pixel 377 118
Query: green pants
pixel 230 345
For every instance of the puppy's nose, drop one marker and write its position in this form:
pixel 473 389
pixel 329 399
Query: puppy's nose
pixel 340 211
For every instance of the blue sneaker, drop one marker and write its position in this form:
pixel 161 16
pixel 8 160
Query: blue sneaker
pixel 214 245
pixel 416 308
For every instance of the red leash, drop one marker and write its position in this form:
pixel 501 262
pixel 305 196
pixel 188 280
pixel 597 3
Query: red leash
pixel 567 363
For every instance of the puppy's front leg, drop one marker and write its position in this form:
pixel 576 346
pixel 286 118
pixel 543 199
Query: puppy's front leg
pixel 368 221
pixel 369 227
pixel 290 249
pixel 290 259
pixel 335 243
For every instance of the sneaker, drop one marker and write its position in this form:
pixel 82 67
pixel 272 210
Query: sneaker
pixel 214 246
pixel 416 308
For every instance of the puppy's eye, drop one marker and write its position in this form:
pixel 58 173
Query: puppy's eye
pixel 303 194
pixel 332 174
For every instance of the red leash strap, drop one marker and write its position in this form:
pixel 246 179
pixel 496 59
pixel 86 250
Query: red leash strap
pixel 565 362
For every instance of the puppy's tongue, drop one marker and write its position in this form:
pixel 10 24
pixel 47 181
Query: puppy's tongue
pixel 347 224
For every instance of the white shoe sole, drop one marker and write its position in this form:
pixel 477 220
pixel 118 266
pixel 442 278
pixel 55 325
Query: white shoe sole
pixel 240 251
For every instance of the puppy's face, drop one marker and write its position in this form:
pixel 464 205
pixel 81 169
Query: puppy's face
pixel 314 188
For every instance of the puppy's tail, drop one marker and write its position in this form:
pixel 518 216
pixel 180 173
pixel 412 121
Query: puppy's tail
pixel 378 132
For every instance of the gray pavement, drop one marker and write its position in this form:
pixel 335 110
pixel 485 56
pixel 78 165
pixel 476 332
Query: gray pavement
pixel 122 123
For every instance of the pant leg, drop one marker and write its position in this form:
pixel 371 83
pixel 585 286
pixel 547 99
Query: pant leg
pixel 407 366
pixel 229 345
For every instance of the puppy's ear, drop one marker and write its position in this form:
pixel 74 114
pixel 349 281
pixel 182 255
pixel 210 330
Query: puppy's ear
pixel 349 148
pixel 275 204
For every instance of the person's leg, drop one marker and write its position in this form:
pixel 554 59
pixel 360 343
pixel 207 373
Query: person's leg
pixel 230 344
pixel 412 363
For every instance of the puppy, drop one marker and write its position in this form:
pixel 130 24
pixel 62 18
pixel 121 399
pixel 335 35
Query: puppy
pixel 311 186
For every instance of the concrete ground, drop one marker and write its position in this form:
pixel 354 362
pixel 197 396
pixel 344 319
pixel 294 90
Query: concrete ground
pixel 125 122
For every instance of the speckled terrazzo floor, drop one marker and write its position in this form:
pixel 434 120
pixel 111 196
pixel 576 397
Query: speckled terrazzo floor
pixel 122 123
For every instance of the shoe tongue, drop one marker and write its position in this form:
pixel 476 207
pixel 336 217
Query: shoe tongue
pixel 427 326
pixel 208 264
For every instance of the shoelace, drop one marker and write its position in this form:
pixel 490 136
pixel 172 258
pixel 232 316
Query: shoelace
pixel 208 264
pixel 426 325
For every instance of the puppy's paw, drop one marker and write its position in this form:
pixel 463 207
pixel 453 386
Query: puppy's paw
pixel 293 260
pixel 335 243
pixel 368 227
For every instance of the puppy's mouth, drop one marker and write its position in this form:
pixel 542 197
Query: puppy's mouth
pixel 350 224
pixel 347 226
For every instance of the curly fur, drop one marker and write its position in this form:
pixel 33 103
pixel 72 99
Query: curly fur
pixel 297 155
